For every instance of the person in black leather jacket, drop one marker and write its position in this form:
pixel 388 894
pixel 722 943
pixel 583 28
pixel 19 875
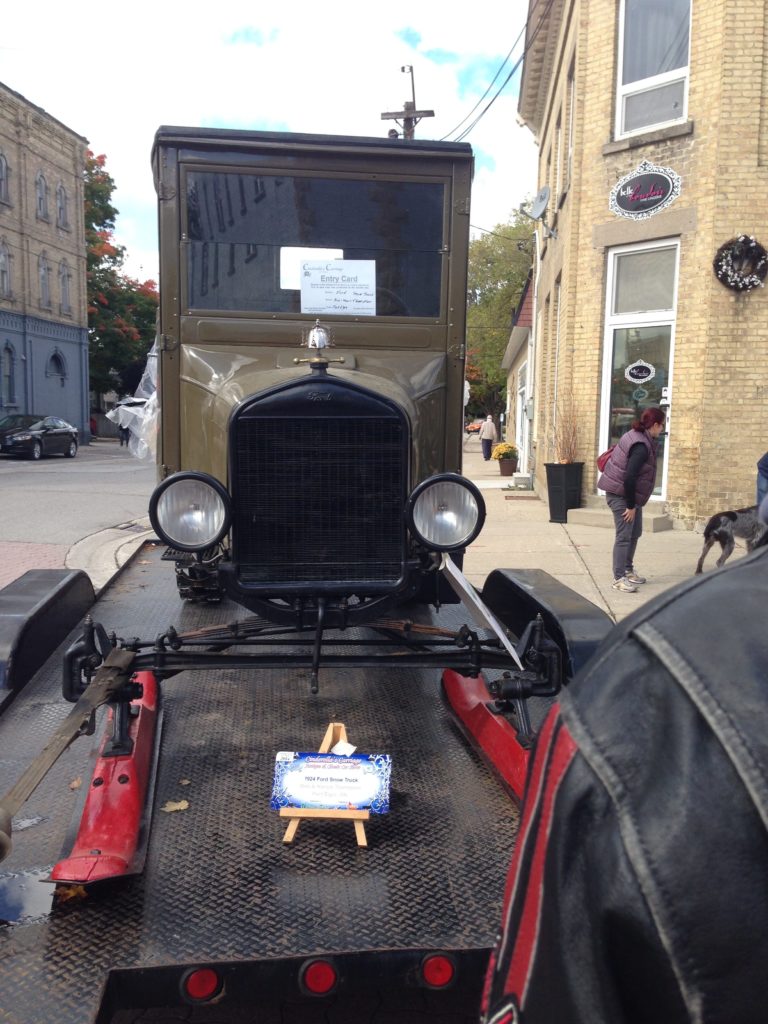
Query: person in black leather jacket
pixel 638 891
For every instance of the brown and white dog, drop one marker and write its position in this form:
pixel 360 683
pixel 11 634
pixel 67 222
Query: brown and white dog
pixel 723 529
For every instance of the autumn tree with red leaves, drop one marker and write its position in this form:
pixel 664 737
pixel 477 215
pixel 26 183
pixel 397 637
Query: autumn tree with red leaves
pixel 121 310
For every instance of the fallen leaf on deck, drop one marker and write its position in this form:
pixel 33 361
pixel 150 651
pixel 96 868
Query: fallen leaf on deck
pixel 174 805
pixel 64 893
pixel 76 783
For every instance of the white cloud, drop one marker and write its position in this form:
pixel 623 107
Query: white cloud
pixel 115 73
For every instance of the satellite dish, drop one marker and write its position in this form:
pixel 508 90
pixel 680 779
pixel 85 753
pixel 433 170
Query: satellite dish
pixel 539 204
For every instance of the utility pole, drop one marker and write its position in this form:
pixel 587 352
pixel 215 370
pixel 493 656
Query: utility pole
pixel 409 114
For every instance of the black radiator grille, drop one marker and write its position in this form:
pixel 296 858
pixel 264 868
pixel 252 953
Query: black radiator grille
pixel 319 500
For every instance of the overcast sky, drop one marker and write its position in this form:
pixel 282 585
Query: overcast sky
pixel 114 72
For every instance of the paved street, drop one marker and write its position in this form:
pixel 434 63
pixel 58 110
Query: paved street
pixel 47 507
pixel 91 513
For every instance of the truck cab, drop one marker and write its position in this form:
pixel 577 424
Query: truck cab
pixel 312 323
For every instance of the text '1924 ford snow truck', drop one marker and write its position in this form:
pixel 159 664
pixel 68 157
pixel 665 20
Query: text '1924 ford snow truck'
pixel 311 375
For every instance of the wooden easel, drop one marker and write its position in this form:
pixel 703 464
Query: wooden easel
pixel 335 733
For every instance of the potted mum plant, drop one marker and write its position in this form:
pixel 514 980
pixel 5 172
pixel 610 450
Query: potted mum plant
pixel 507 455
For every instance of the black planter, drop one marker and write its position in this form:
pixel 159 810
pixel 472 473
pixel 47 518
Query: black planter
pixel 563 488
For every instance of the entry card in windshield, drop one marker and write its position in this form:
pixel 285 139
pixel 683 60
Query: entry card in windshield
pixel 339 286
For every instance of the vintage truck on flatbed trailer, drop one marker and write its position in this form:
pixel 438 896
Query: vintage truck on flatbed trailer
pixel 311 368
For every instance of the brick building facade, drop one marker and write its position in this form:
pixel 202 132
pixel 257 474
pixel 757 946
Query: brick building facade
pixel 43 313
pixel 651 118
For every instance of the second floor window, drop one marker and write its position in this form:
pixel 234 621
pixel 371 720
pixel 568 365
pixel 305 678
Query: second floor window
pixel 44 273
pixel 5 196
pixel 5 271
pixel 64 291
pixel 62 213
pixel 654 44
pixel 41 196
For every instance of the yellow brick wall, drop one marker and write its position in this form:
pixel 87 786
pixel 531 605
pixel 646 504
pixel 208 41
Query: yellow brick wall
pixel 720 365
pixel 31 141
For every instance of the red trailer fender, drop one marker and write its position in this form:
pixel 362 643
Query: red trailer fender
pixel 491 734
pixel 112 834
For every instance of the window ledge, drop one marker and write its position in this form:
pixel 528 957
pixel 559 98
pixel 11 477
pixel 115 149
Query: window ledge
pixel 675 131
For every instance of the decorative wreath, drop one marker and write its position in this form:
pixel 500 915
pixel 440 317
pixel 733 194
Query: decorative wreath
pixel 741 264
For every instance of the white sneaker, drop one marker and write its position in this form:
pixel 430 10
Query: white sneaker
pixel 634 577
pixel 623 584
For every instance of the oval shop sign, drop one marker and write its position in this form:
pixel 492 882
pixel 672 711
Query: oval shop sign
pixel 645 191
pixel 639 372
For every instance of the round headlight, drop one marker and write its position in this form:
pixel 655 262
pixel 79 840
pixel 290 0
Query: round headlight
pixel 445 512
pixel 190 511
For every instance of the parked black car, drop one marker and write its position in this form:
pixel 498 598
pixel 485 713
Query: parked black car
pixel 36 436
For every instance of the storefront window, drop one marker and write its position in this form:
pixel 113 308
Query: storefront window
pixel 639 336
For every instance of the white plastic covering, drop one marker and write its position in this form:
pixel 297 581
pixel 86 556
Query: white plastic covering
pixel 140 413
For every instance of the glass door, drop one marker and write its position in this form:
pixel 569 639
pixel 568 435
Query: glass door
pixel 638 342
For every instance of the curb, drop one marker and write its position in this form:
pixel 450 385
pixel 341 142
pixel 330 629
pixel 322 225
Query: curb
pixel 101 554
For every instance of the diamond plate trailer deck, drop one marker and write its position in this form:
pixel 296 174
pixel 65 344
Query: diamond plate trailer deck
pixel 219 887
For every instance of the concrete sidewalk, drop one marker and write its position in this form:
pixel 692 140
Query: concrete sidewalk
pixel 519 535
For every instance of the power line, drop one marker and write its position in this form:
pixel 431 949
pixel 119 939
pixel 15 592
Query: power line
pixel 488 89
pixel 507 238
pixel 509 77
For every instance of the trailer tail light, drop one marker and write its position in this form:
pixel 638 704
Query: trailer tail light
pixel 438 970
pixel 318 977
pixel 201 984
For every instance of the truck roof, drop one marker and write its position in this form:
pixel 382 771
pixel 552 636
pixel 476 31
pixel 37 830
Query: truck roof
pixel 226 138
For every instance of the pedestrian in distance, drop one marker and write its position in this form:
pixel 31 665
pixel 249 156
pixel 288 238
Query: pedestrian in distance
pixel 125 436
pixel 488 436
pixel 628 481
pixel 644 827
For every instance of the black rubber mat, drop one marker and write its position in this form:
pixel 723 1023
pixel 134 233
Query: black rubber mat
pixel 219 884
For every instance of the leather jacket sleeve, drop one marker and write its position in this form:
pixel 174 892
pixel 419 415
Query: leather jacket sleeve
pixel 573 879
pixel 638 891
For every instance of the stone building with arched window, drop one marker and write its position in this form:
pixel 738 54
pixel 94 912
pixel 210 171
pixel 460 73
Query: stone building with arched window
pixel 43 309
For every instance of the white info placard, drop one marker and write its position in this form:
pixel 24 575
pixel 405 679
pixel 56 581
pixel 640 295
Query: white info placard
pixel 339 286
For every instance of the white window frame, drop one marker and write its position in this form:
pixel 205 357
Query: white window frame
pixel 44 275
pixel 41 196
pixel 623 92
pixel 62 206
pixel 65 277
pixel 571 102
pixel 4 172
pixel 636 318
pixel 6 282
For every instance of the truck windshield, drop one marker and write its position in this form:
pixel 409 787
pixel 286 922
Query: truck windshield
pixel 313 245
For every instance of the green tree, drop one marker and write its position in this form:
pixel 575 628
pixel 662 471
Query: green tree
pixel 121 310
pixel 499 262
